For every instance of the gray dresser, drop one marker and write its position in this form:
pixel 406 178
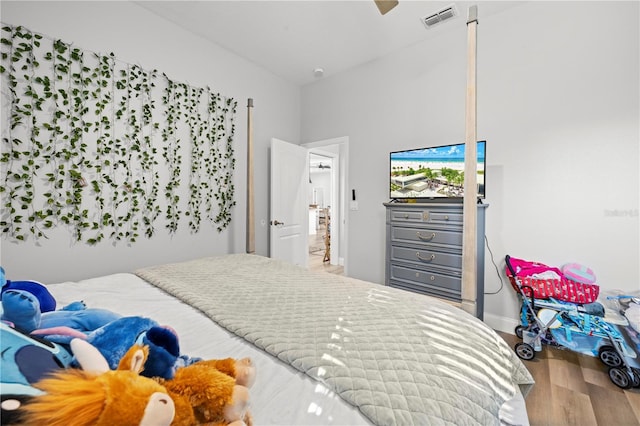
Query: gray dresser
pixel 424 250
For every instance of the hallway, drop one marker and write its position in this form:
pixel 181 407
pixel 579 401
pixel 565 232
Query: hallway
pixel 317 253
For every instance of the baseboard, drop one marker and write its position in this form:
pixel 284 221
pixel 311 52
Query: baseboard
pixel 504 324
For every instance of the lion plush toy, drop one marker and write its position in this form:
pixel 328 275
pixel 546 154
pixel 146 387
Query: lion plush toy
pixel 213 392
pixel 99 396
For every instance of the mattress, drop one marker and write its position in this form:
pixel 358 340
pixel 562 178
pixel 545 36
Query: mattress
pixel 277 384
pixel 282 395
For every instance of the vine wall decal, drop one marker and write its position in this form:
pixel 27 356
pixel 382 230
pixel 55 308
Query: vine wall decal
pixel 105 148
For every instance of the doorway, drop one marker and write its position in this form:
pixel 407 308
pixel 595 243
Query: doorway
pixel 320 198
pixel 327 201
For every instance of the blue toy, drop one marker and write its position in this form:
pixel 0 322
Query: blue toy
pixel 114 339
pixel 108 331
pixel 22 303
pixel 25 360
pixel 28 307
pixel 46 300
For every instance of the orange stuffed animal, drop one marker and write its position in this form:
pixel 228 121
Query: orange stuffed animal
pixel 213 392
pixel 100 396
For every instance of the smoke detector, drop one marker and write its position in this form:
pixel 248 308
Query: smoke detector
pixel 440 16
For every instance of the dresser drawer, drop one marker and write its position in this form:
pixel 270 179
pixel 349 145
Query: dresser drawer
pixel 422 235
pixel 442 294
pixel 408 216
pixel 444 217
pixel 426 257
pixel 429 281
pixel 426 216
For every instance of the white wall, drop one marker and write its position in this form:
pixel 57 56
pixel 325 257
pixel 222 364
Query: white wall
pixel 320 183
pixel 136 36
pixel 558 103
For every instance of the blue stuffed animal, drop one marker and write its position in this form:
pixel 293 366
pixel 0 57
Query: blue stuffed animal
pixel 114 339
pixel 23 302
pixel 25 360
pixel 109 332
pixel 30 306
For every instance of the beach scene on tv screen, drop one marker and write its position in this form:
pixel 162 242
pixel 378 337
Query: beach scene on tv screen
pixel 432 172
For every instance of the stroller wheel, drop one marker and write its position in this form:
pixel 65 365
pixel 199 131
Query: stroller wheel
pixel 620 377
pixel 524 351
pixel 635 382
pixel 519 330
pixel 609 356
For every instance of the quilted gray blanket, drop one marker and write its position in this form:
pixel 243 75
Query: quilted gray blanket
pixel 401 358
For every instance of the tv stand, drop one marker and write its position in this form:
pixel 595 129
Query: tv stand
pixel 424 250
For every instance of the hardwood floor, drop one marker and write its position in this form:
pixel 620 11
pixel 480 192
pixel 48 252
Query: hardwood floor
pixel 317 252
pixel 316 264
pixel 575 389
pixel 571 389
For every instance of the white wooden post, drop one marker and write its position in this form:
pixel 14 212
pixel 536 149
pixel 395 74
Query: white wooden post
pixel 469 208
pixel 251 240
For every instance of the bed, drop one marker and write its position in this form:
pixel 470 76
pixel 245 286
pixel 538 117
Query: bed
pixel 329 350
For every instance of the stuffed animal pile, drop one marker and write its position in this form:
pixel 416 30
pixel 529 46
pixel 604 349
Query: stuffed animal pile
pixel 88 366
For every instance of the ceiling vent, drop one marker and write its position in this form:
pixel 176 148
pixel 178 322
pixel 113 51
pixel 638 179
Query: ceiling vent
pixel 440 16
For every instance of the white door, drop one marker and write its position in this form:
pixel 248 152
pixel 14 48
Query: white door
pixel 289 208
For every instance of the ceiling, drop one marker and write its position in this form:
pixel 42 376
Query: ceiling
pixel 319 163
pixel 294 38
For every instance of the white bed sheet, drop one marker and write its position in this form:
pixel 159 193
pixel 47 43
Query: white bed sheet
pixel 281 395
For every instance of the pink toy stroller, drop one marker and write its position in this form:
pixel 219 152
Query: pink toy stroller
pixel 549 316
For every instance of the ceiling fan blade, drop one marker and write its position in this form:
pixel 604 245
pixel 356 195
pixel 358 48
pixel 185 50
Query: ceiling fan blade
pixel 385 5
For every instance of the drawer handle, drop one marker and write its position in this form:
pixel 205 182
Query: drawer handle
pixel 426 238
pixel 432 257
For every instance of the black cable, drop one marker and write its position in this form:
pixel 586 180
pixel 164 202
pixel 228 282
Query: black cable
pixel 496 266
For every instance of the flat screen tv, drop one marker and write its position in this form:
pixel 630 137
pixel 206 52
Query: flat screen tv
pixel 433 173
